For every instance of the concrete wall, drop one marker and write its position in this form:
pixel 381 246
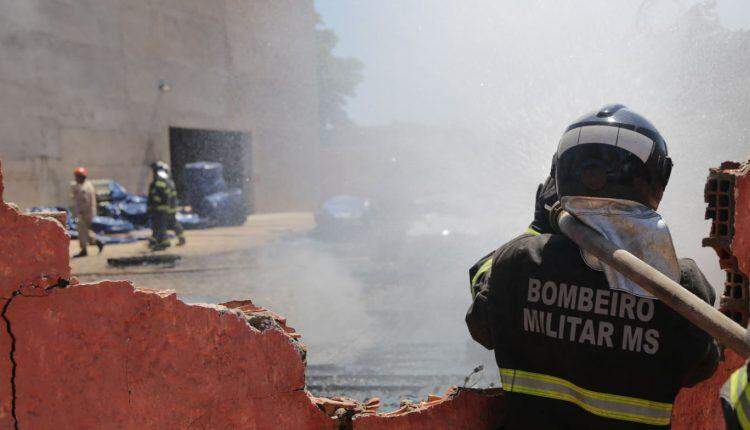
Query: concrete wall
pixel 79 86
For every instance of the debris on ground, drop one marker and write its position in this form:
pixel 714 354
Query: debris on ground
pixel 168 260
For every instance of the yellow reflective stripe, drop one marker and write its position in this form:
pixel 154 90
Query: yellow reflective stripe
pixel 735 386
pixel 739 396
pixel 733 395
pixel 162 208
pixel 602 404
pixel 487 265
pixel 532 231
pixel 596 394
pixel 160 184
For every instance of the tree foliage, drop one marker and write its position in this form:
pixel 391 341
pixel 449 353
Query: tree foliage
pixel 338 78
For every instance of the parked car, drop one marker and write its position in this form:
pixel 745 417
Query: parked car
pixel 344 214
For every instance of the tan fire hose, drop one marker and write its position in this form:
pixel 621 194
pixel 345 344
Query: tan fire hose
pixel 687 304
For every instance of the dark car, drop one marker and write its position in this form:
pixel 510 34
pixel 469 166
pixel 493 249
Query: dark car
pixel 344 214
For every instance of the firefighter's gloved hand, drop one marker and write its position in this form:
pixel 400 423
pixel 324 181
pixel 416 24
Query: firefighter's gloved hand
pixel 546 196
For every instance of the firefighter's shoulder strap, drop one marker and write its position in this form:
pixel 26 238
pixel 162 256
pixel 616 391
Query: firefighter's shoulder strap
pixel 481 270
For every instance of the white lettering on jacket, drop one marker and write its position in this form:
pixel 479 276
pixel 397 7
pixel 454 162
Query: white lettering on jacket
pixel 590 331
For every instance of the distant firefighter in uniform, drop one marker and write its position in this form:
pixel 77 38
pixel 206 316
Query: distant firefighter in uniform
pixel 162 207
pixel 84 197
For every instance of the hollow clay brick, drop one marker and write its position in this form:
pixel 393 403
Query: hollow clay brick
pixel 741 242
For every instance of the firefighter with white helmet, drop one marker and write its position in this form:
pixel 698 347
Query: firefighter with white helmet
pixel 162 207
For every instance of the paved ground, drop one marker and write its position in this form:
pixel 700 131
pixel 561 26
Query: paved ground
pixel 218 249
pixel 382 315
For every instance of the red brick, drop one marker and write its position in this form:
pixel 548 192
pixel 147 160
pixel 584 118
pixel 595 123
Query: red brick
pixel 104 356
pixel 6 420
pixel 34 250
pixel 741 242
pixel 468 409
pixel 698 408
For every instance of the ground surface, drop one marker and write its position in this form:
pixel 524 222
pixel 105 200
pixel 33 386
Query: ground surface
pixel 212 250
pixel 357 301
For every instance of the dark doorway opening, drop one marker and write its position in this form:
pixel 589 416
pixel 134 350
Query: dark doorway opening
pixel 230 148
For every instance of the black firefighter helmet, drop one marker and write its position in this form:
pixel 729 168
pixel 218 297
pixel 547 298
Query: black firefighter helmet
pixel 613 153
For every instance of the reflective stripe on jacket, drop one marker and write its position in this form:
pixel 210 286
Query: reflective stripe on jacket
pixel 586 355
pixel 602 404
pixel 159 196
pixel 735 394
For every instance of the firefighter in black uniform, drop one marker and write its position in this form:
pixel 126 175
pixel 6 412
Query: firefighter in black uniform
pixel 162 207
pixel 574 353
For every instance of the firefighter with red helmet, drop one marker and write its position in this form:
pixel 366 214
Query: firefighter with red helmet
pixel 84 199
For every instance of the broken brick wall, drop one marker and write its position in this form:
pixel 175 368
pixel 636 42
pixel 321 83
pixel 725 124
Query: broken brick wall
pixel 107 355
pixel 110 356
pixel 119 358
pixel 33 251
pixel 727 195
pixel 479 409
pixel 741 243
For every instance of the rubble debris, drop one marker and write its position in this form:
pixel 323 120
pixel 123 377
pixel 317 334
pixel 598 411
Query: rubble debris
pixel 459 408
pixel 464 408
pixel 169 260
pixel 263 319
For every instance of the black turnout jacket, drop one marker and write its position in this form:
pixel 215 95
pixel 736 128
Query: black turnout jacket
pixel 576 354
